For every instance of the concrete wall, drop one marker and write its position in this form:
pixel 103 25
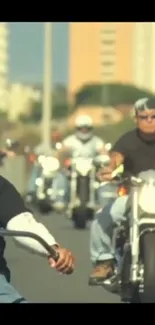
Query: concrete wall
pixel 14 170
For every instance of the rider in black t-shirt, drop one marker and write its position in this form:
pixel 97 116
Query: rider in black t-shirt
pixel 136 150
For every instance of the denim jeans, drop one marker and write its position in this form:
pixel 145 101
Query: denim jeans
pixel 102 229
pixel 8 294
pixel 36 170
pixel 106 193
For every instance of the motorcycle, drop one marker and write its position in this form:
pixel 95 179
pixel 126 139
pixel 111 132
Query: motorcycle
pixel 82 189
pixel 134 242
pixel 47 165
pixel 45 196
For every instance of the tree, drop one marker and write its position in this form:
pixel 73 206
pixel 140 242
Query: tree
pixel 112 94
pixel 60 106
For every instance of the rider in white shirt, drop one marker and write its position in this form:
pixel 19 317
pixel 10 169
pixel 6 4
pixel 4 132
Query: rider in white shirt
pixel 82 143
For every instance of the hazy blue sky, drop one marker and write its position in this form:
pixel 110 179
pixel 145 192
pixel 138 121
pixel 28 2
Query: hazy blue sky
pixel 26 52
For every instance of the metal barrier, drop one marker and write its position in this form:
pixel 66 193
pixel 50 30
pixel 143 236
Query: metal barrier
pixel 14 170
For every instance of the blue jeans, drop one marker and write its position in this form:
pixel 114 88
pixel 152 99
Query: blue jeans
pixel 36 170
pixel 8 294
pixel 102 229
pixel 106 193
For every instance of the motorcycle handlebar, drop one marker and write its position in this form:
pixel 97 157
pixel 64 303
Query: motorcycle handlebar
pixel 12 233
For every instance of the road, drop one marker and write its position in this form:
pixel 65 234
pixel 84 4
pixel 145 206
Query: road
pixel 38 283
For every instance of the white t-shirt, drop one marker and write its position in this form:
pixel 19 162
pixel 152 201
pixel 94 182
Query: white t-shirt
pixel 84 149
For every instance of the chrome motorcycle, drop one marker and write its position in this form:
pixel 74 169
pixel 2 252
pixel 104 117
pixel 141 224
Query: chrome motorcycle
pixel 83 192
pixel 134 243
pixel 45 195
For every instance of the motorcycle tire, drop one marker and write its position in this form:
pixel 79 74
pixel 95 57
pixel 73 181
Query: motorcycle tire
pixel 128 293
pixel 44 208
pixel 148 259
pixel 79 217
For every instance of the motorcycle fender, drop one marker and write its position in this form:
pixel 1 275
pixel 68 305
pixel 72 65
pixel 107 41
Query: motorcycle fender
pixel 146 223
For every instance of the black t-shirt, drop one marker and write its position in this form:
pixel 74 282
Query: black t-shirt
pixel 139 153
pixel 11 204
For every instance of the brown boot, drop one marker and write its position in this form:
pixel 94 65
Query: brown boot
pixel 102 271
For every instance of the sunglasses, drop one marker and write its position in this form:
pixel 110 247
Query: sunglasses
pixel 146 117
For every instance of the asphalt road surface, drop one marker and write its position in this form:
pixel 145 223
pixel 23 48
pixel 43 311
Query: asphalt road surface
pixel 32 276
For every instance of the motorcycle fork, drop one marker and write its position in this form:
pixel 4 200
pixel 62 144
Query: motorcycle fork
pixel 73 186
pixel 134 235
pixel 40 189
pixel 92 189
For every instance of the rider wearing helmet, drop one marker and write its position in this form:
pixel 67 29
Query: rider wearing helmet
pixel 136 150
pixel 82 143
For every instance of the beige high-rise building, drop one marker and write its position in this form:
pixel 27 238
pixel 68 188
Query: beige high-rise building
pixel 112 52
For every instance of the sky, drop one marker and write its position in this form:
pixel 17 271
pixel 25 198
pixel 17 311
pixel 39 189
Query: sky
pixel 26 42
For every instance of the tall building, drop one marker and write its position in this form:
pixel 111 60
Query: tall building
pixel 3 66
pixel 112 52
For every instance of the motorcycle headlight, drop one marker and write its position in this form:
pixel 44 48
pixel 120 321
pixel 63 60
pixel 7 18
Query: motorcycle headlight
pixel 51 164
pixel 39 181
pixel 147 198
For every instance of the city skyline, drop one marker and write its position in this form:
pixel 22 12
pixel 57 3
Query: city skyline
pixel 24 65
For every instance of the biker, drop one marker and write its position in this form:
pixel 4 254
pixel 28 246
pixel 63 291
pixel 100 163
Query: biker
pixel 15 216
pixel 136 150
pixel 82 143
pixel 41 149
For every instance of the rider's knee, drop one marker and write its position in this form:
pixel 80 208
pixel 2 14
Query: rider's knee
pixel 103 218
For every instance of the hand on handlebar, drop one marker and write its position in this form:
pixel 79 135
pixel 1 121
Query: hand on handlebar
pixel 65 263
pixel 105 174
pixel 8 153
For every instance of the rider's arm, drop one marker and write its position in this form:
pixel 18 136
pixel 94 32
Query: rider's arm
pixel 116 159
pixel 118 153
pixel 15 216
pixel 26 222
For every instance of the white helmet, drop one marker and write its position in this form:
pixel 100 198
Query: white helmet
pixel 84 127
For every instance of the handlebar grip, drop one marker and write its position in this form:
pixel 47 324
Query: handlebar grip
pixel 53 253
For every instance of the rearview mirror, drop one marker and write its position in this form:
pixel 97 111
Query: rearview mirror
pixel 102 160
pixel 108 146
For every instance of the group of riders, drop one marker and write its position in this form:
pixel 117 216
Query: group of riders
pixel 134 149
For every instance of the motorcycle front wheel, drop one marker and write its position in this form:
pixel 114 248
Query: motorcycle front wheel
pixel 148 259
pixel 79 217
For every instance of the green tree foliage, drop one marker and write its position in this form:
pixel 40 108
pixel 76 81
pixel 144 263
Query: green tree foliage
pixel 91 94
pixel 60 106
pixel 109 94
pixel 110 133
